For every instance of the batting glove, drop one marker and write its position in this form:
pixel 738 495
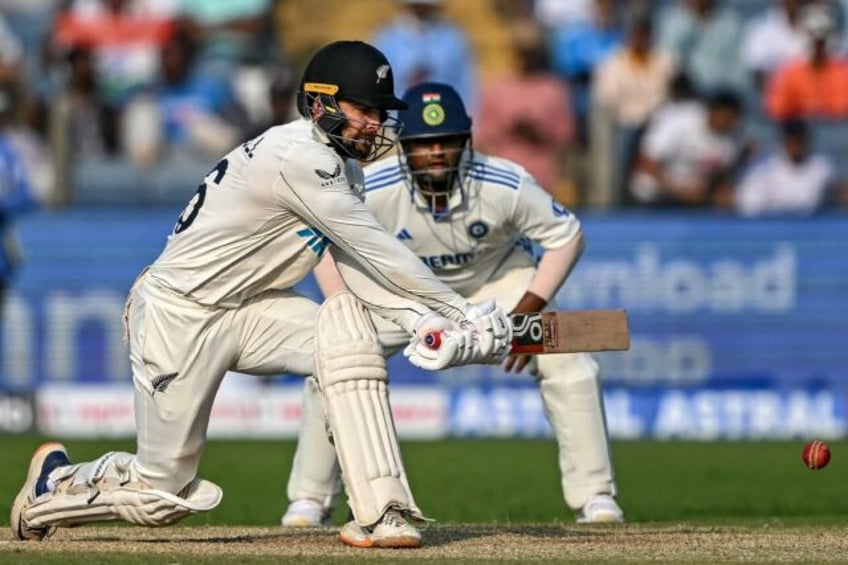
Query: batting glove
pixel 492 332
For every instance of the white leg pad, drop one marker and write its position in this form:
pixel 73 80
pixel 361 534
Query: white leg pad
pixel 106 489
pixel 573 402
pixel 352 373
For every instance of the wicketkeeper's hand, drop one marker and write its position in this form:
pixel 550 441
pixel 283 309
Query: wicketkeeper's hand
pixel 484 336
pixel 516 363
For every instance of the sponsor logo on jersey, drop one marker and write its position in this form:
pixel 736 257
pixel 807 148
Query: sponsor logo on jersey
pixel 327 176
pixel 403 234
pixel 559 209
pixel 478 230
pixel 448 260
pixel 315 240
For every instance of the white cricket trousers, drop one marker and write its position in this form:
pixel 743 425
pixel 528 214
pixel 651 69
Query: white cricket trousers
pixel 180 351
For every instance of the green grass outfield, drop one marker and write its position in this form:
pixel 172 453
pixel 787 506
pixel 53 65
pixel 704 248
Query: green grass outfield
pixel 698 491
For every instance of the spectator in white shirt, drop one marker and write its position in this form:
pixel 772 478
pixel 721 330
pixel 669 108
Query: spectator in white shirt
pixel 772 38
pixel 793 180
pixel 690 157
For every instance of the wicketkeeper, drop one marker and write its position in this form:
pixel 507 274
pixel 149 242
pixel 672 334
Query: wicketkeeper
pixel 471 217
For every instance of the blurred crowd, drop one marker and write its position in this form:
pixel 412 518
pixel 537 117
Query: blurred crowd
pixel 738 106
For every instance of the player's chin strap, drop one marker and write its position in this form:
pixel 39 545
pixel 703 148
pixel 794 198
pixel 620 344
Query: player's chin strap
pixel 108 489
pixel 352 373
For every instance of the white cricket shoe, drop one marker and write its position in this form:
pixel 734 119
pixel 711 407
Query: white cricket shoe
pixel 47 457
pixel 600 509
pixel 391 531
pixel 306 513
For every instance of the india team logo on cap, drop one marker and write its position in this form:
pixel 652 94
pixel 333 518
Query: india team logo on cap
pixel 433 114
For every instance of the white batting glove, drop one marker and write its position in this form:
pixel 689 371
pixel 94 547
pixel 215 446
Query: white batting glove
pixel 437 343
pixel 485 336
pixel 492 332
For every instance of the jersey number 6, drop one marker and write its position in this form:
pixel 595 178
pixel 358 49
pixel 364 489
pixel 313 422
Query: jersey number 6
pixel 193 207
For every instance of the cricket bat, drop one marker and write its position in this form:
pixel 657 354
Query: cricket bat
pixel 574 331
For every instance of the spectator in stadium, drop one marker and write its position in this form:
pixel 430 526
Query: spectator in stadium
pixel 706 38
pixel 280 99
pixel 691 157
pixel 84 132
pixel 534 131
pixel 26 180
pixel 90 128
pixel 773 37
pixel 576 51
pixel 627 88
pixel 794 180
pixel 448 179
pixel 634 80
pixel 422 46
pixel 556 14
pixel 11 51
pixel 681 98
pixel 182 117
pixel 816 85
pixel 228 34
pixel 125 37
pixel 31 22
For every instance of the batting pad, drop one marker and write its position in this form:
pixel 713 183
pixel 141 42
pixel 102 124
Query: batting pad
pixel 145 507
pixel 352 373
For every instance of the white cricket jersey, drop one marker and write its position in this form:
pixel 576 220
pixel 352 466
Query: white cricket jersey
pixel 265 214
pixel 505 210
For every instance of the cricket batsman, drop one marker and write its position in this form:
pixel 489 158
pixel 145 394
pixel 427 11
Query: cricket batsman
pixel 219 297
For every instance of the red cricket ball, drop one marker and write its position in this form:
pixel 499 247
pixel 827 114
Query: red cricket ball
pixel 433 340
pixel 816 455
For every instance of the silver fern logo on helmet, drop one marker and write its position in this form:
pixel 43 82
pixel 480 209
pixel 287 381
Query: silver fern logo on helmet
pixel 382 72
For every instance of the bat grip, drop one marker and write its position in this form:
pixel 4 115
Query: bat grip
pixel 433 339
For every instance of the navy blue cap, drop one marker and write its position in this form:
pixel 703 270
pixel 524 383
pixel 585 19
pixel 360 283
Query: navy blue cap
pixel 434 110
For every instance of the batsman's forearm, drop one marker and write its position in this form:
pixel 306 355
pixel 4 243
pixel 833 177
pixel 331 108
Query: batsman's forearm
pixel 554 268
pixel 400 309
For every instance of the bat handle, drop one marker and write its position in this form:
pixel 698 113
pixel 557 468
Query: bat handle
pixel 433 339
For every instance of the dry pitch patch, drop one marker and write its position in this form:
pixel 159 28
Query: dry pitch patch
pixel 444 543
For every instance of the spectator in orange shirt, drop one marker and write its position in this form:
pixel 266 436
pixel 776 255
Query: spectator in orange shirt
pixel 815 86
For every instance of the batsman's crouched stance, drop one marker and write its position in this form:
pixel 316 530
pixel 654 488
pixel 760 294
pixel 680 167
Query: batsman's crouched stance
pixel 219 298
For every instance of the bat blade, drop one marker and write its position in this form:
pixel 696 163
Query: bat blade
pixel 572 331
